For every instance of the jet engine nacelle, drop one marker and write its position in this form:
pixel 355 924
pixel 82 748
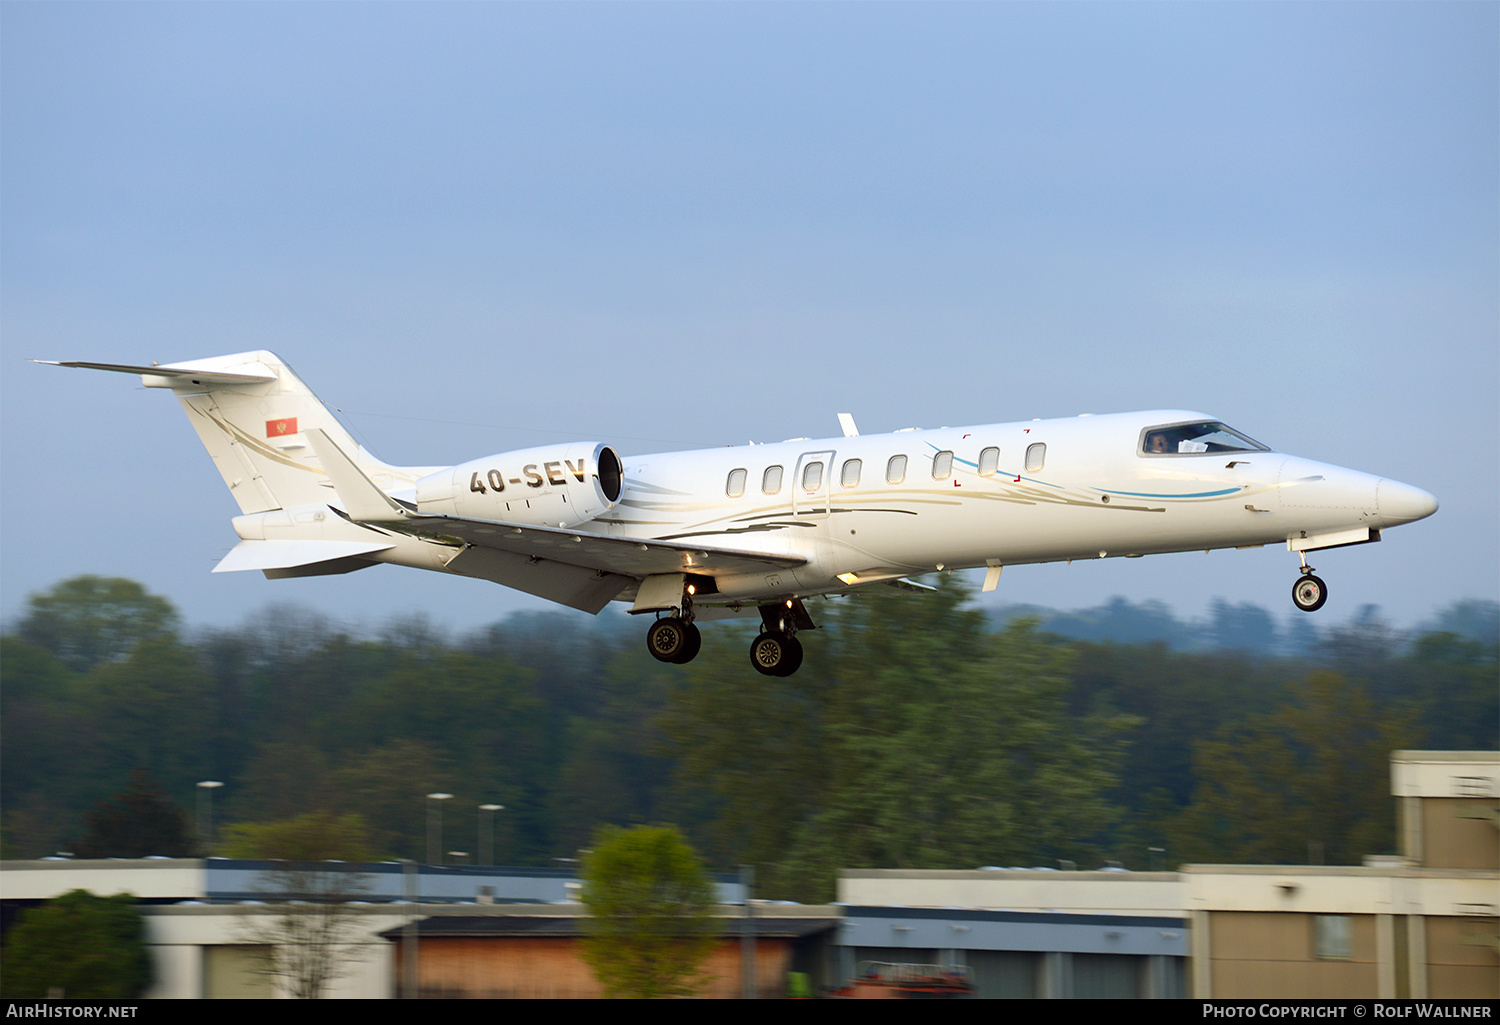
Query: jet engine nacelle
pixel 554 486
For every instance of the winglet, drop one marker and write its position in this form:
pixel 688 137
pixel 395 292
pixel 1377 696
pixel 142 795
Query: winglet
pixel 846 421
pixel 362 499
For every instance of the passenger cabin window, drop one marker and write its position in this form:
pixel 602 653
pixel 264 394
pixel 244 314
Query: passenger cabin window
pixel 770 483
pixel 850 477
pixel 812 476
pixel 942 465
pixel 1036 457
pixel 1194 439
pixel 989 462
pixel 735 486
pixel 895 470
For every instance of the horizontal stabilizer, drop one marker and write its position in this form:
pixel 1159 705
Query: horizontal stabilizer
pixel 186 374
pixel 288 554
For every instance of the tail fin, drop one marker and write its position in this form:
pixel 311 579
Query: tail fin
pixel 251 413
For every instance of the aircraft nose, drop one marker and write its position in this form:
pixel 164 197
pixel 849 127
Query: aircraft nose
pixel 1401 503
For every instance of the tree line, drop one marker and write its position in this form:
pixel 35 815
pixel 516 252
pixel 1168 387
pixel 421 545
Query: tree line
pixel 918 733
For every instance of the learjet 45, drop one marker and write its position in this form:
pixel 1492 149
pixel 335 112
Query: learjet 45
pixel 688 536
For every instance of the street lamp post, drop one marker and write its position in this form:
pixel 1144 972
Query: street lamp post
pixel 435 827
pixel 409 888
pixel 487 835
pixel 206 790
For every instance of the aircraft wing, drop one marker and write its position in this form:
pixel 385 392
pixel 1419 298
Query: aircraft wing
pixel 628 556
pixel 579 568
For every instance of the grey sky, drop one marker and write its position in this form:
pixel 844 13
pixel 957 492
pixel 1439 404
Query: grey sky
pixel 477 227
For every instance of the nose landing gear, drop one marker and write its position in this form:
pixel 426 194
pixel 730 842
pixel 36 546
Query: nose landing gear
pixel 1308 592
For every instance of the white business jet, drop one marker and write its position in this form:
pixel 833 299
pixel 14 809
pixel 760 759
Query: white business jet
pixel 685 536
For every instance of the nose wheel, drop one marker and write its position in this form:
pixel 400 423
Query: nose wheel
pixel 1309 592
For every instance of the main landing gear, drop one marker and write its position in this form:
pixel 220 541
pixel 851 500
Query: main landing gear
pixel 1309 592
pixel 776 650
pixel 674 640
pixel 776 654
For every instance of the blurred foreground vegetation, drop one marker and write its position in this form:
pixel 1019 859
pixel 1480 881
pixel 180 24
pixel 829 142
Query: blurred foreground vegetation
pixel 918 733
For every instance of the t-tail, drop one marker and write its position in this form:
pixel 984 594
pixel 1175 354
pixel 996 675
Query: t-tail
pixel 252 413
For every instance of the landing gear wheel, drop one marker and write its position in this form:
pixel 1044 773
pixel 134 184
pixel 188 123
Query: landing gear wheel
pixel 793 660
pixel 694 642
pixel 1309 593
pixel 776 654
pixel 672 640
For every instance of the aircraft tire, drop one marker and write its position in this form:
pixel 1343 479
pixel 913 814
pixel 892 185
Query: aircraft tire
pixel 668 640
pixel 793 660
pixel 691 648
pixel 1309 593
pixel 775 654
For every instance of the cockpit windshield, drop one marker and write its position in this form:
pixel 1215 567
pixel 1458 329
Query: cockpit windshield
pixel 1193 439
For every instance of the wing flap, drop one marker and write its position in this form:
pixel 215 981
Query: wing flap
pixel 627 556
pixel 588 590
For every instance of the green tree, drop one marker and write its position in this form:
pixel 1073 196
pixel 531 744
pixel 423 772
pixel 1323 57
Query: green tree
pixel 39 738
pixel 952 748
pixel 913 737
pixel 1452 678
pixel 1307 782
pixel 88 620
pixel 138 822
pixel 753 756
pixel 1178 698
pixel 150 708
pixel 650 902
pixel 302 938
pixel 385 785
pixel 78 946
pixel 316 836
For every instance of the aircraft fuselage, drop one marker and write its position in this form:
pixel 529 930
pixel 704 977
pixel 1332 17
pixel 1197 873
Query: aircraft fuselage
pixel 689 535
pixel 1091 492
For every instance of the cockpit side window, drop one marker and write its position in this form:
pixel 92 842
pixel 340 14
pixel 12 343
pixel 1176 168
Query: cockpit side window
pixel 1196 439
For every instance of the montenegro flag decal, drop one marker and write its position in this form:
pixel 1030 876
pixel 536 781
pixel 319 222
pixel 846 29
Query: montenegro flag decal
pixel 281 428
